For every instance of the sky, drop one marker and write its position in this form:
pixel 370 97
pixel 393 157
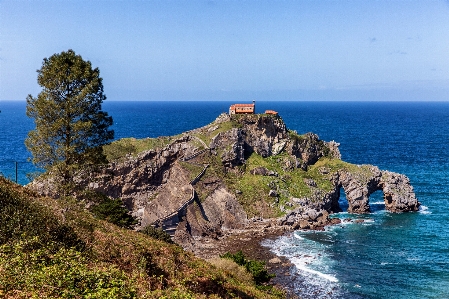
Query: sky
pixel 301 50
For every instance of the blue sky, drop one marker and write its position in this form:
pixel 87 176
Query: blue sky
pixel 235 50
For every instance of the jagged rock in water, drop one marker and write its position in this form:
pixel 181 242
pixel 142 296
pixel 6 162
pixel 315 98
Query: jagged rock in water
pixel 398 193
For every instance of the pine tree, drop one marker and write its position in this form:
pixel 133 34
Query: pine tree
pixel 70 128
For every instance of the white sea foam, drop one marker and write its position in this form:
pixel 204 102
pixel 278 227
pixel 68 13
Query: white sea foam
pixel 303 259
pixel 377 203
pixel 313 265
pixel 299 263
pixel 388 263
pixel 424 210
pixel 298 237
pixel 341 213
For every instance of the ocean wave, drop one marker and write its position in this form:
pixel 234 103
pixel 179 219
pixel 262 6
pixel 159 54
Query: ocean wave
pixel 300 265
pixel 307 254
pixel 298 237
pixel 424 210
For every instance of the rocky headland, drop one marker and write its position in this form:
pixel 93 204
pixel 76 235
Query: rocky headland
pixel 241 173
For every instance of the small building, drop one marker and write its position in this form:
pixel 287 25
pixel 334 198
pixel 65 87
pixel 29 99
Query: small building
pixel 271 112
pixel 243 108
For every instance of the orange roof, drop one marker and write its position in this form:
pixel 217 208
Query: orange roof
pixel 243 105
pixel 270 112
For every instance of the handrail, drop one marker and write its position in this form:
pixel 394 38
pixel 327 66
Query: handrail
pixel 197 178
pixel 195 154
pixel 189 201
pixel 191 183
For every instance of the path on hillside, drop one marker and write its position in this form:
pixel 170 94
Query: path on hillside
pixel 170 222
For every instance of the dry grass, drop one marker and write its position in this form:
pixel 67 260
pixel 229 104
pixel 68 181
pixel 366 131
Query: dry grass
pixel 232 269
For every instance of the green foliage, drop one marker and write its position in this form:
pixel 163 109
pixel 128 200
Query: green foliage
pixel 70 126
pixel 206 136
pixel 157 233
pixel 112 210
pixel 193 169
pixel 256 268
pixel 64 273
pixel 21 218
pixel 288 183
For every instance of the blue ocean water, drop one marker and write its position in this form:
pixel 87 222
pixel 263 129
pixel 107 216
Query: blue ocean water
pixel 386 256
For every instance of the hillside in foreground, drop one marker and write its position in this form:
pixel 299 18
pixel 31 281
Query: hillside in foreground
pixel 56 249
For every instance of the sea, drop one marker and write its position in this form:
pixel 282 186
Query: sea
pixel 385 256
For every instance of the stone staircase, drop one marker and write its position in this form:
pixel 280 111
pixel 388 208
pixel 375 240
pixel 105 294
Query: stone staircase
pixel 170 222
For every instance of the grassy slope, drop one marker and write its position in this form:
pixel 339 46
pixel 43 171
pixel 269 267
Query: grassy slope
pixel 55 249
pixel 288 183
pixel 132 146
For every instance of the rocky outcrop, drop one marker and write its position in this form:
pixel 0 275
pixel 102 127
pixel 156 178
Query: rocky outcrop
pixel 231 146
pixel 191 184
pixel 224 209
pixel 138 180
pixel 168 198
pixel 263 171
pixel 218 213
pixel 358 185
pixel 265 135
pixel 308 148
pixel 398 193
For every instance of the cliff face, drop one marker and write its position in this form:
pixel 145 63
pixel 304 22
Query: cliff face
pixel 214 178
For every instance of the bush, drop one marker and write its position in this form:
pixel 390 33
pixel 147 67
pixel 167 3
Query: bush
pixel 256 268
pixel 157 233
pixel 237 271
pixel 112 210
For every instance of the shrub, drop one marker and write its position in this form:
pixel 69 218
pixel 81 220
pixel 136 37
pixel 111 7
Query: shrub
pixel 112 210
pixel 256 268
pixel 237 271
pixel 157 233
pixel 21 218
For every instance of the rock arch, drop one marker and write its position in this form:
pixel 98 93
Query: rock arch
pixel 359 185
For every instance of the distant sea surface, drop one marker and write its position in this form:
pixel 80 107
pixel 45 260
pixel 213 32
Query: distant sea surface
pixel 386 256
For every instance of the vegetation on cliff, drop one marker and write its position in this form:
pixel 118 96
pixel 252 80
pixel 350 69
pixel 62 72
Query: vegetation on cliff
pixel 291 175
pixel 56 249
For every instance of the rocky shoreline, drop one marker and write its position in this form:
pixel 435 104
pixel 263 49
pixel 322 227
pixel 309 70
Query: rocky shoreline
pixel 250 241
